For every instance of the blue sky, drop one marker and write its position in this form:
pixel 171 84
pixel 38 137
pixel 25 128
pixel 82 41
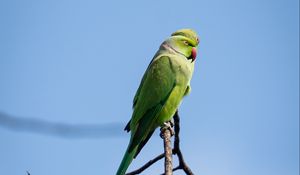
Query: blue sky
pixel 80 62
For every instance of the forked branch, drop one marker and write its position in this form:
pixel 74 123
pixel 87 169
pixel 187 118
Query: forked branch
pixel 176 151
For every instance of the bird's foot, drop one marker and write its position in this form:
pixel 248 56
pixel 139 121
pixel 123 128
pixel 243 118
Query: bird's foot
pixel 167 126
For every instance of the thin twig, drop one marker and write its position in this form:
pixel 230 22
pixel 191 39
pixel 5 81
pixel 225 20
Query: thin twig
pixel 176 151
pixel 182 164
pixel 148 164
pixel 166 135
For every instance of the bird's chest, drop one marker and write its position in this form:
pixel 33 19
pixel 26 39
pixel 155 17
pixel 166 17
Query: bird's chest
pixel 183 70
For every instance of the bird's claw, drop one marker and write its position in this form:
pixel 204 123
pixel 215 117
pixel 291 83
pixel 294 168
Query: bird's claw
pixel 169 126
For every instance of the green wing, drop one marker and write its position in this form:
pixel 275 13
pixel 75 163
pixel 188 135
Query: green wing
pixel 141 84
pixel 155 88
pixel 127 127
pixel 157 82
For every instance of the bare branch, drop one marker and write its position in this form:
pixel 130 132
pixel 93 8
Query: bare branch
pixel 176 151
pixel 166 135
pixel 148 164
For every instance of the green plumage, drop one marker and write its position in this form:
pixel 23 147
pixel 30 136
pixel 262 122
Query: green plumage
pixel 165 82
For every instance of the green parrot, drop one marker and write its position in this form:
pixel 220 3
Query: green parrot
pixel 164 84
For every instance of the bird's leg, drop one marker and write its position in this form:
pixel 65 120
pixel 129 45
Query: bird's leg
pixel 167 125
pixel 172 123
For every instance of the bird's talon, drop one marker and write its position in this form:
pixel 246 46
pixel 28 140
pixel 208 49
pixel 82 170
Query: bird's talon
pixel 172 122
pixel 169 126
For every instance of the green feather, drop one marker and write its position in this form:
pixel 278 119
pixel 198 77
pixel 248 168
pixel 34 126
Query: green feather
pixel 165 82
pixel 127 159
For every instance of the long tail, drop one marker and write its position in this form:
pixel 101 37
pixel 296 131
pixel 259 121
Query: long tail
pixel 127 159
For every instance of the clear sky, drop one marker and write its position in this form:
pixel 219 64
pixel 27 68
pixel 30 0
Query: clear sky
pixel 80 62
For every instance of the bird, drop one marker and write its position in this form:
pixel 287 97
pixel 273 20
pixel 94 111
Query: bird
pixel 164 84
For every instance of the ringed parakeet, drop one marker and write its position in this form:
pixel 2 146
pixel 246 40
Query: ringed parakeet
pixel 164 84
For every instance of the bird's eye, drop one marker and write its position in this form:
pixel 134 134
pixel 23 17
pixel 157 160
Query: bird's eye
pixel 186 43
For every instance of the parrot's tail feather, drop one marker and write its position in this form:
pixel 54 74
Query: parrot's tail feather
pixel 127 159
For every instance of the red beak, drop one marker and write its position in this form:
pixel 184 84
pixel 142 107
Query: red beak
pixel 194 54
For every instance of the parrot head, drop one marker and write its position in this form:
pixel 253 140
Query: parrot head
pixel 184 42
